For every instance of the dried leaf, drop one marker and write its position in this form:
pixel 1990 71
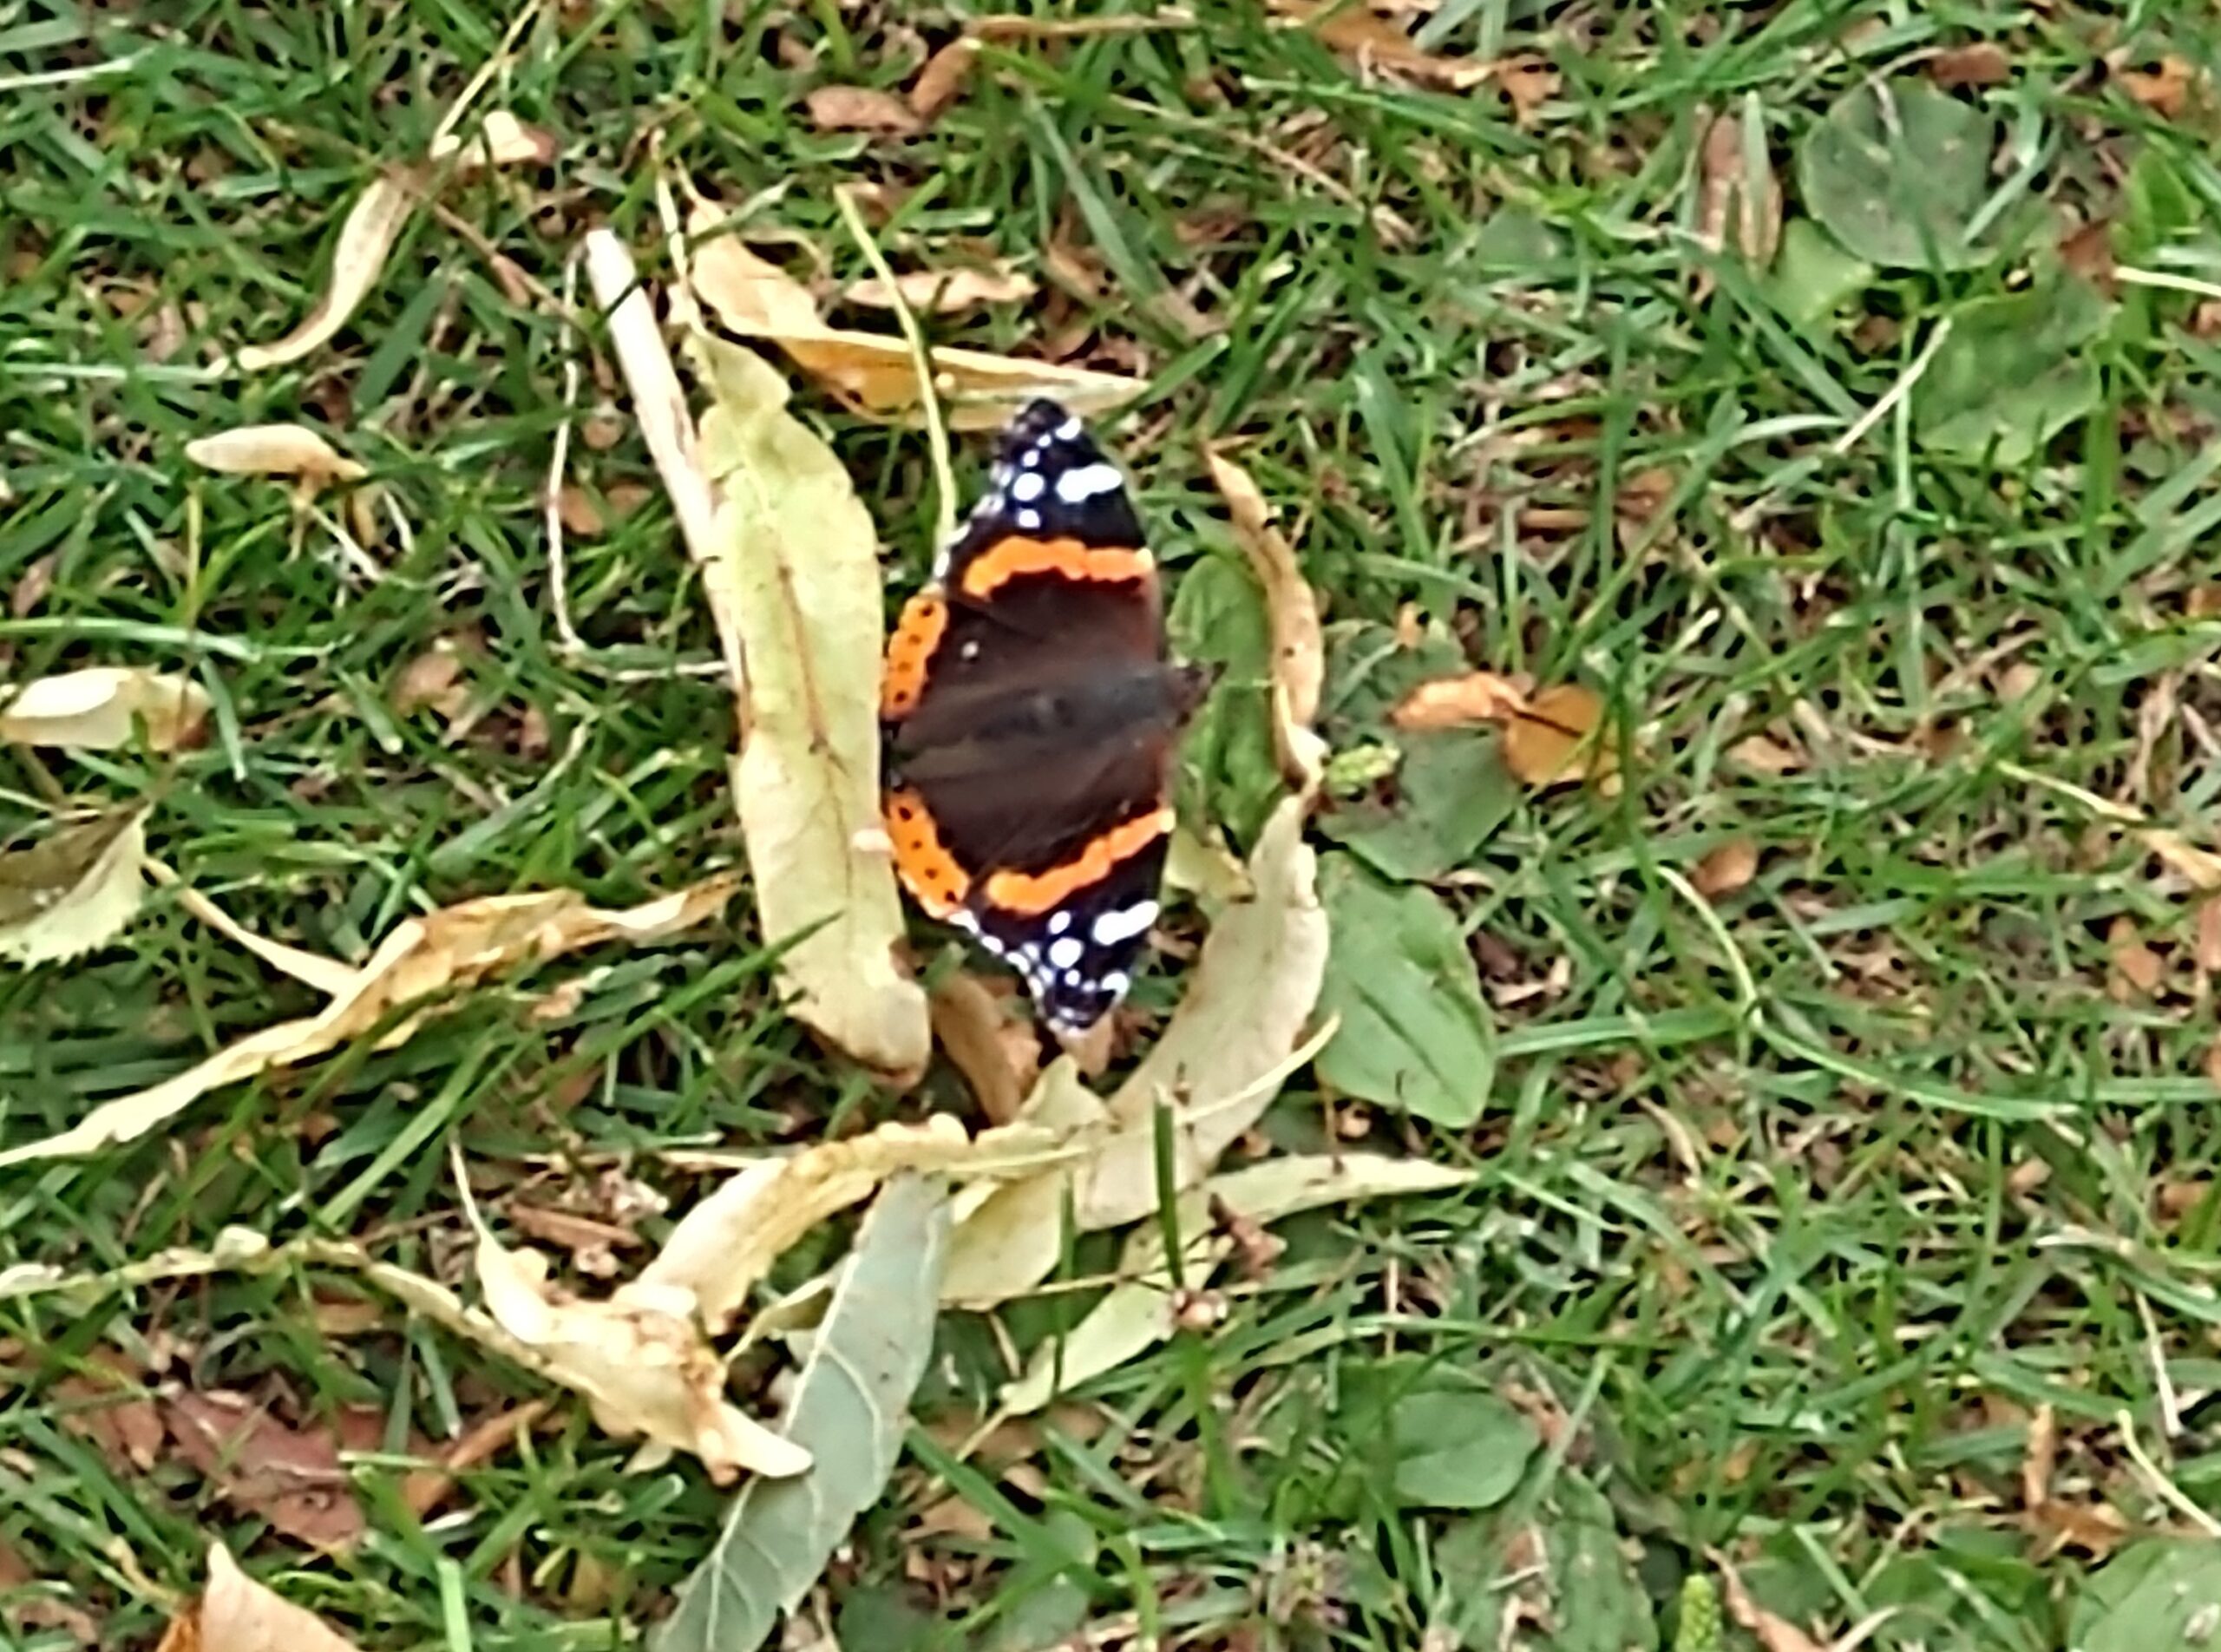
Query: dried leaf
pixel 640 1358
pixel 455 947
pixel 274 450
pixel 2038 1456
pixel 289 1476
pixel 1727 869
pixel 111 1408
pixel 74 891
pixel 872 373
pixel 1527 82
pixel 1008 1243
pixel 1774 1634
pixel 941 81
pixel 2137 968
pixel 850 1411
pixel 797 565
pixel 502 140
pixel 1141 1312
pixel 1299 664
pixel 1983 62
pixel 860 108
pixel 944 292
pixel 236 1614
pixel 1376 42
pixel 2165 91
pixel 1459 702
pixel 365 240
pixel 999 1055
pixel 2208 935
pixel 1766 755
pixel 1223 1057
pixel 2200 867
pixel 39 1611
pixel 1558 736
pixel 96 710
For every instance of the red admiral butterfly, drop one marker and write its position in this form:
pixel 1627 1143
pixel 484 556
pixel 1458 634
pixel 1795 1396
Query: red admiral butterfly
pixel 1029 714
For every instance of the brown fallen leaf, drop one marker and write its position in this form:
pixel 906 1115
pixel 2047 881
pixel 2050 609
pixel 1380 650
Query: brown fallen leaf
pixel 2137 970
pixel 274 450
pixel 1738 204
pixel 861 109
pixel 793 571
pixel 1983 62
pixel 1527 82
pixel 1254 1248
pixel 109 1407
pixel 366 239
pixel 872 373
pixel 1292 618
pixel 501 140
pixel 101 708
pixel 1778 1634
pixel 2165 91
pixel 433 680
pixel 1559 736
pixel 1459 702
pixel 455 947
pixel 2201 868
pixel 2039 1456
pixel 74 891
pixel 999 1054
pixel 1727 869
pixel 236 1614
pixel 424 1489
pixel 943 293
pixel 29 1610
pixel 1375 42
pixel 941 81
pixel 1766 755
pixel 289 1476
pixel 2207 930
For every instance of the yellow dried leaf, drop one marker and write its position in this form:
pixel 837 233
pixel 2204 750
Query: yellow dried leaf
pixel 1767 755
pixel 1558 736
pixel 1459 702
pixel 1291 617
pixel 455 947
pixel 2201 866
pixel 365 241
pixel 872 373
pixel 941 81
pixel 236 1614
pixel 640 1358
pixel 944 292
pixel 74 891
pixel 2164 90
pixel 502 140
pixel 796 567
pixel 1008 1242
pixel 1375 42
pixel 274 450
pixel 100 708
pixel 1727 869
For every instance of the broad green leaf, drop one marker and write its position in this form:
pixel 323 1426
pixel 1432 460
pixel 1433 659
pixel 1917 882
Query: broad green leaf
pixel 1551 1579
pixel 850 1410
pixel 796 576
pixel 73 892
pixel 1415 1033
pixel 1217 618
pixel 1813 275
pixel 2014 372
pixel 1896 172
pixel 2160 1595
pixel 1458 1447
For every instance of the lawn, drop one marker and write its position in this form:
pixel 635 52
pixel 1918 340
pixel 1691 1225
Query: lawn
pixel 1821 1077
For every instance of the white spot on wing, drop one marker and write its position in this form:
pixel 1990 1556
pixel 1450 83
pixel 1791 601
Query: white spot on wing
pixel 1116 983
pixel 1078 486
pixel 1029 519
pixel 1028 485
pixel 1065 951
pixel 1123 924
pixel 1059 921
pixel 1069 430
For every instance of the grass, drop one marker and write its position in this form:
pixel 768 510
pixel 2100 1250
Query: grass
pixel 1795 1207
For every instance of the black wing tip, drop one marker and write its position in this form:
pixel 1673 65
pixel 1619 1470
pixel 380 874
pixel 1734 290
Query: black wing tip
pixel 1037 423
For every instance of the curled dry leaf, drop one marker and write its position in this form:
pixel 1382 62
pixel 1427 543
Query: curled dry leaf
pixel 236 1614
pixel 999 1054
pixel 1983 62
pixel 872 373
pixel 365 241
pixel 1375 42
pixel 502 140
pixel 1558 736
pixel 455 947
pixel 100 708
pixel 1459 702
pixel 860 108
pixel 798 558
pixel 289 1477
pixel 1291 616
pixel 2165 91
pixel 274 450
pixel 1007 1243
pixel 1224 1054
pixel 2201 868
pixel 944 292
pixel 1739 199
pixel 73 892
pixel 1142 1310
pixel 640 1359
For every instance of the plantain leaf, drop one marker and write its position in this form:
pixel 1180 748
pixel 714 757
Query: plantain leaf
pixel 1897 173
pixel 850 1409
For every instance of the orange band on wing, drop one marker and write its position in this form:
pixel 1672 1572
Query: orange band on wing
pixel 1010 558
pixel 1031 892
pixel 909 650
pixel 927 870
